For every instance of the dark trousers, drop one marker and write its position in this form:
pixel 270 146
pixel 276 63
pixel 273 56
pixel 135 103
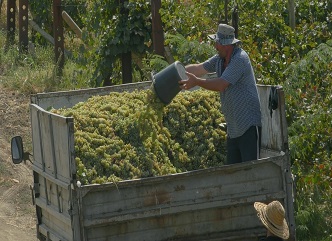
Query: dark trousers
pixel 246 147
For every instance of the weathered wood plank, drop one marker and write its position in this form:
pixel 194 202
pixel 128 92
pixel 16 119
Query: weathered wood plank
pixel 271 137
pixel 184 203
pixel 51 139
pixel 217 186
pixel 53 147
pixel 70 98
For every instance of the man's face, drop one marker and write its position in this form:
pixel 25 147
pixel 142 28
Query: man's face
pixel 223 49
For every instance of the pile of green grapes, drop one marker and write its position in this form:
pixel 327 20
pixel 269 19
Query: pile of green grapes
pixel 132 135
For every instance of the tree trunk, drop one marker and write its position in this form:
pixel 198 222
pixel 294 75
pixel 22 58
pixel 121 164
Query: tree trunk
pixel 291 10
pixel 226 11
pixel 157 29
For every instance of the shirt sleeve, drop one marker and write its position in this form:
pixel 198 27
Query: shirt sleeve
pixel 234 70
pixel 210 64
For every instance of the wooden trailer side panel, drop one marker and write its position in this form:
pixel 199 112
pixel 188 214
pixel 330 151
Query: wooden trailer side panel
pixel 274 126
pixel 210 204
pixel 54 170
pixel 68 99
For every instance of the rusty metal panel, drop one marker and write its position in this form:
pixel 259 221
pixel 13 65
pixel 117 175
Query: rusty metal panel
pixel 23 25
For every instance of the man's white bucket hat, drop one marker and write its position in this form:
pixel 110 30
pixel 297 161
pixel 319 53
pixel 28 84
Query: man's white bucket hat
pixel 225 35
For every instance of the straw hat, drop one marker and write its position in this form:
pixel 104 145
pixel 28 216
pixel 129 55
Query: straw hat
pixel 225 35
pixel 273 218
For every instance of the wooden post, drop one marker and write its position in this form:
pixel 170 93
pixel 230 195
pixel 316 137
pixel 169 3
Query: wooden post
pixel 1 1
pixel 157 29
pixel 72 24
pixel 235 21
pixel 291 10
pixel 58 35
pixel 127 72
pixel 11 10
pixel 23 25
pixel 127 76
pixel 47 36
pixel 35 27
pixel 226 11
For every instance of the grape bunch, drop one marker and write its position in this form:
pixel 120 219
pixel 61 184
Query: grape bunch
pixel 132 135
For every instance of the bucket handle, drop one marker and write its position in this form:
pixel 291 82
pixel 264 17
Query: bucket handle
pixel 153 79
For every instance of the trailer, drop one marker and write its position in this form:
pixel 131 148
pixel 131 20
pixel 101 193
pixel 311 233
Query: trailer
pixel 208 204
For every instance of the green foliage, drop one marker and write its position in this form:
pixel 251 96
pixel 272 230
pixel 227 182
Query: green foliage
pixel 313 11
pixel 189 51
pixel 35 72
pixel 311 146
pixel 42 13
pixel 114 30
pixel 185 23
pixel 313 215
pixel 268 40
pixel 308 83
pixel 311 152
pixel 309 99
pixel 271 44
pixel 154 63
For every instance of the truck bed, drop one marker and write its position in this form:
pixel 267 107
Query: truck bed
pixel 208 204
pixel 197 205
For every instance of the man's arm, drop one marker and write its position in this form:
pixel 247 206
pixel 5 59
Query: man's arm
pixel 194 70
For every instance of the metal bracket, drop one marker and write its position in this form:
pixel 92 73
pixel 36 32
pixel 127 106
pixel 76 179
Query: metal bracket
pixel 34 192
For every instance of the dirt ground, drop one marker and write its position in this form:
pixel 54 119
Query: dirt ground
pixel 17 213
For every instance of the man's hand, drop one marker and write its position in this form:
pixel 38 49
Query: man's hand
pixel 188 83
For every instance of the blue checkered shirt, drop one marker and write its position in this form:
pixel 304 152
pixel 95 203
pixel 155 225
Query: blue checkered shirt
pixel 239 101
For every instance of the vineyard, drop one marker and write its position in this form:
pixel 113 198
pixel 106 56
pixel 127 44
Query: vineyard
pixel 299 59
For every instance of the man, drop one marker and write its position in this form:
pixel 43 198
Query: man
pixel 273 218
pixel 238 93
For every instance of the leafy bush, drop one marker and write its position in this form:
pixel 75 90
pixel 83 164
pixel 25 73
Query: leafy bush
pixel 309 100
pixel 308 83
pixel 34 72
pixel 189 51
pixel 41 12
pixel 115 29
